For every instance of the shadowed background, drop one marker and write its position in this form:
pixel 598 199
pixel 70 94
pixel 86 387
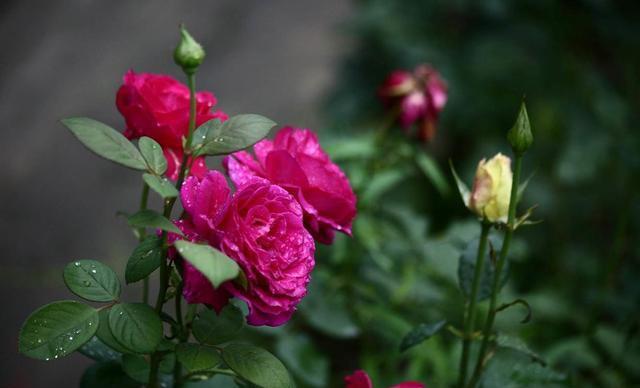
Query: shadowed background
pixel 62 59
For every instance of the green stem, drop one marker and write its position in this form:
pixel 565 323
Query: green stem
pixel 144 199
pixel 491 315
pixel 168 207
pixel 470 314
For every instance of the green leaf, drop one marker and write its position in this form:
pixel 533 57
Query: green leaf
pixel 213 264
pixel 513 369
pixel 106 142
pixel 383 181
pixel 96 350
pixel 105 335
pixel 352 148
pixel 467 265
pixel 213 329
pixel 92 280
pixel 106 375
pixel 237 133
pixel 145 259
pixel 152 153
pixel 150 219
pixel 522 302
pixel 195 358
pixel 420 333
pixel 161 185
pixel 517 344
pixel 327 311
pixel 256 365
pixel 299 354
pixel 431 170
pixel 136 367
pixel 465 194
pixel 136 326
pixel 57 329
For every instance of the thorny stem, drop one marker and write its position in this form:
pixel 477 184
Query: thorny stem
pixel 491 315
pixel 470 314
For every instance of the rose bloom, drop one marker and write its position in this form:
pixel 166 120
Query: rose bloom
pixel 360 379
pixel 419 97
pixel 261 228
pixel 157 106
pixel 295 161
pixel 491 190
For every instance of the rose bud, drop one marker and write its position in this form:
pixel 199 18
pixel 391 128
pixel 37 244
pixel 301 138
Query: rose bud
pixel 491 190
pixel 188 54
pixel 520 136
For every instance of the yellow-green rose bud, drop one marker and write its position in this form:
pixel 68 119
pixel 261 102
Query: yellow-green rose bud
pixel 188 54
pixel 491 190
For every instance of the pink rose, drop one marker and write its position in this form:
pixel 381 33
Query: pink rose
pixel 261 228
pixel 157 106
pixel 295 161
pixel 360 379
pixel 419 97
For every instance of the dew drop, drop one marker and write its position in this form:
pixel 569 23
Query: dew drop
pixel 77 263
pixel 39 340
pixel 55 357
pixel 94 271
pixel 121 313
pixel 86 283
pixel 70 338
pixel 47 359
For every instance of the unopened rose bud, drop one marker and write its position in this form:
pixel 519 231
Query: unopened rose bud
pixel 188 54
pixel 491 190
pixel 520 136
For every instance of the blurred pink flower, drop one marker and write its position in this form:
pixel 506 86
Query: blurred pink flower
pixel 360 379
pixel 261 228
pixel 419 97
pixel 295 161
pixel 157 106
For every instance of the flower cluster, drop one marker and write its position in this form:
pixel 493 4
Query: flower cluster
pixel 286 196
pixel 416 97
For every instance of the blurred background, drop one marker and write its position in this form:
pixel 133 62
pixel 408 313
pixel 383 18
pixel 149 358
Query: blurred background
pixel 319 65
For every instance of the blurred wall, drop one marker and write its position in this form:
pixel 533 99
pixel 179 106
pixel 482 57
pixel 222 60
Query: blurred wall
pixel 61 59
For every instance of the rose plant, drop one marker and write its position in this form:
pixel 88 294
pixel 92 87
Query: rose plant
pixel 253 246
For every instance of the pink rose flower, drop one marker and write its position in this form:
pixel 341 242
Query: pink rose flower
pixel 360 379
pixel 419 98
pixel 295 161
pixel 261 228
pixel 157 106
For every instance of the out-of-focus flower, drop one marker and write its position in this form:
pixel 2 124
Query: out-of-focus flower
pixel 157 106
pixel 261 228
pixel 418 97
pixel 491 190
pixel 360 379
pixel 295 161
